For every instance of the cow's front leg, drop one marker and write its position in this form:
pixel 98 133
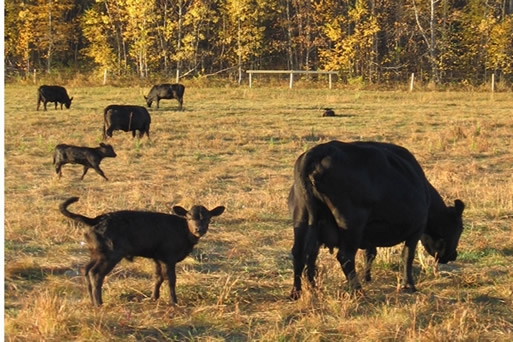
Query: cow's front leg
pixel 345 257
pixel 370 255
pixel 408 255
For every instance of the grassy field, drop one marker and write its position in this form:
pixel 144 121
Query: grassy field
pixel 236 147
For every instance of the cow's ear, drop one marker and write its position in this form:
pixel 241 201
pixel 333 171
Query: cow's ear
pixel 145 97
pixel 217 211
pixel 179 211
pixel 103 145
pixel 459 206
pixel 70 99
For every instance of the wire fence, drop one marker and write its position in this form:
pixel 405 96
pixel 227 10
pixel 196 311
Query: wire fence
pixel 387 80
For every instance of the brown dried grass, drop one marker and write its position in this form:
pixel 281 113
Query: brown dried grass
pixel 236 147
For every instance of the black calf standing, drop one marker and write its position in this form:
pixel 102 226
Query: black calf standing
pixel 87 156
pixel 167 239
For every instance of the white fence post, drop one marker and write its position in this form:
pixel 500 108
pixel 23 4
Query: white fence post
pixel 250 74
pixel 493 82
pixel 35 77
pixel 105 77
pixel 411 81
pixel 291 79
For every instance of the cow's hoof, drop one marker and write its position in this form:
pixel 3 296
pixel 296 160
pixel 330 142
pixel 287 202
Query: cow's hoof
pixel 408 289
pixel 295 294
pixel 358 293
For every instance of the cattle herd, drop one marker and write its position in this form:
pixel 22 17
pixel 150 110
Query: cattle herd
pixel 348 196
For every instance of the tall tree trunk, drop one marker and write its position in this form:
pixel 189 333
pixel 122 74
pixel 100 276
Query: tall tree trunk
pixel 432 48
pixel 50 37
pixel 290 61
pixel 431 41
pixel 239 47
pixel 179 42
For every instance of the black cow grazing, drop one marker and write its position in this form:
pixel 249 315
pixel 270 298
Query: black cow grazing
pixel 364 195
pixel 167 239
pixel 87 156
pixel 55 94
pixel 166 91
pixel 328 112
pixel 126 118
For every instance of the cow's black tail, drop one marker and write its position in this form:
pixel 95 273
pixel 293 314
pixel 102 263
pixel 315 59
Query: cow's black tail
pixel 308 170
pixel 80 218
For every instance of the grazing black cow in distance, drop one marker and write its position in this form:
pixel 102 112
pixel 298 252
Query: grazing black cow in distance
pixel 126 118
pixel 90 157
pixel 55 94
pixel 364 195
pixel 166 91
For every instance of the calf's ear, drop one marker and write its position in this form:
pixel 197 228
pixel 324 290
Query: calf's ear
pixel 459 206
pixel 103 145
pixel 217 211
pixel 145 97
pixel 179 211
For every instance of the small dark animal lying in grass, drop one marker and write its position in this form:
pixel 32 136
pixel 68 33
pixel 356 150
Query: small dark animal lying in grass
pixel 167 239
pixel 328 112
pixel 88 156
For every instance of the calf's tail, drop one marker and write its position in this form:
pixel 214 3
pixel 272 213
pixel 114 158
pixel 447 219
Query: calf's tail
pixel 80 218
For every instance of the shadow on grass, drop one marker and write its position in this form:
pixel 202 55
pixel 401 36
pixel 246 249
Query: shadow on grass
pixel 185 332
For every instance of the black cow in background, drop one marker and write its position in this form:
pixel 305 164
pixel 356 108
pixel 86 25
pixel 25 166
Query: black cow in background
pixel 364 195
pixel 126 118
pixel 166 91
pixel 55 94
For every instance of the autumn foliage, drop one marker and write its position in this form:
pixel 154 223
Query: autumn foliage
pixel 371 41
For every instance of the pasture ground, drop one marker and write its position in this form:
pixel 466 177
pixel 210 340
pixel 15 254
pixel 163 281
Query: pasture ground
pixel 236 147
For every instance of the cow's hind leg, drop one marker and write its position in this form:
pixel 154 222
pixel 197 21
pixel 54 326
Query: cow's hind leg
pixel 370 255
pixel 298 260
pixel 101 268
pixel 85 271
pixel 311 252
pixel 408 255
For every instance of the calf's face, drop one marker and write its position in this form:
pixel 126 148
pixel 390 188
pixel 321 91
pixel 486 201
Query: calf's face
pixel 198 218
pixel 107 150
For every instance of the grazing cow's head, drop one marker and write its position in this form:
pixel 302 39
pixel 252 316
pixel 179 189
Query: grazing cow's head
pixel 443 247
pixel 149 101
pixel 68 103
pixel 198 218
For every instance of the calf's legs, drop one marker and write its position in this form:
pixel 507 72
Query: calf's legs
pixel 159 279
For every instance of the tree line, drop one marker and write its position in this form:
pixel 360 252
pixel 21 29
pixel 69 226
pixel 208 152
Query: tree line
pixel 374 41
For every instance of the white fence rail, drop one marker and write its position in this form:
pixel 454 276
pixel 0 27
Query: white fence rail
pixel 292 73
